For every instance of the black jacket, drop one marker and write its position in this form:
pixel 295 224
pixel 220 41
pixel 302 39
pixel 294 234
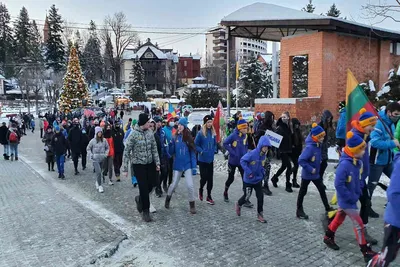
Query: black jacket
pixel 326 120
pixel 158 142
pixel 84 143
pixel 118 137
pixel 284 130
pixel 75 138
pixel 297 138
pixel 3 135
pixel 47 138
pixel 59 144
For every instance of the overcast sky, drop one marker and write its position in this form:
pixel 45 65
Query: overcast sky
pixel 174 13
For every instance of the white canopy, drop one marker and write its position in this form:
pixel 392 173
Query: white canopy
pixel 154 92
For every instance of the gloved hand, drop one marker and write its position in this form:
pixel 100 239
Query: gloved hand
pixel 194 171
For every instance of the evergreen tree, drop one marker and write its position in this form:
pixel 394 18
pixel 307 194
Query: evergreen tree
pixel 310 8
pixel 333 11
pixel 74 93
pixel 94 66
pixel 36 43
pixel 6 43
pixel 193 97
pixel 108 56
pixel 209 97
pixel 54 46
pixel 23 37
pixel 300 76
pixel 137 84
pixel 254 80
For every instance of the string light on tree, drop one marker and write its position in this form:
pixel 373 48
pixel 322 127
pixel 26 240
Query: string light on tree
pixel 74 92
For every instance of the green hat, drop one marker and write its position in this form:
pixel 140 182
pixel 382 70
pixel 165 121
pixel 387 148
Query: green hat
pixel 134 122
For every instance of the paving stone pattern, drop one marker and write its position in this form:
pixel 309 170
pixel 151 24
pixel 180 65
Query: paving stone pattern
pixel 42 227
pixel 215 236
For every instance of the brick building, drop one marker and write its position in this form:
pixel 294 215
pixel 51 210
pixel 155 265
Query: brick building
pixel 332 45
pixel 188 68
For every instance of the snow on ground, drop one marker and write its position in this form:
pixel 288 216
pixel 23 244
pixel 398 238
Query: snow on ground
pixel 332 154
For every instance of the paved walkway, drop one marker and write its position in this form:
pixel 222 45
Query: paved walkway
pixel 40 226
pixel 215 236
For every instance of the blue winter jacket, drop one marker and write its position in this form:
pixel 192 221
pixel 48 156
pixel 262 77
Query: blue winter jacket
pixel 206 146
pixel 168 133
pixel 392 212
pixel 341 125
pixel 310 159
pixel 381 143
pixel 33 124
pixel 365 159
pixel 185 159
pixel 164 144
pixel 253 162
pixel 347 182
pixel 236 144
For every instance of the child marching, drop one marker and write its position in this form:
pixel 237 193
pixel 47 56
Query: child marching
pixel 310 161
pixel 348 189
pixel 253 166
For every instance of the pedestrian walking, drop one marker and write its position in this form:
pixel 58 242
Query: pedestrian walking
pixel 183 149
pixel 109 161
pixel 326 124
pixel 236 144
pixel 41 126
pixel 59 145
pixel 310 161
pixel 118 140
pixel 48 148
pixel 206 145
pixel 285 149
pixel 253 165
pixel 85 142
pixel 75 142
pixel 13 138
pixel 141 151
pixel 348 189
pixel 168 129
pixel 33 124
pixel 98 149
pixel 297 148
pixel 391 239
pixel 121 114
pixel 3 140
pixel 163 152
pixel 341 128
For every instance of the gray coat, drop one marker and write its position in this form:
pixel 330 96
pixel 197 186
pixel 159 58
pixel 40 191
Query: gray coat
pixel 98 150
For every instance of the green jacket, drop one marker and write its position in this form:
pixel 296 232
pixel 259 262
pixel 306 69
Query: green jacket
pixel 397 135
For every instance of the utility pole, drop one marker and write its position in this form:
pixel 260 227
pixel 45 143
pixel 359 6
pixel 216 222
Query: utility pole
pixel 274 70
pixel 228 89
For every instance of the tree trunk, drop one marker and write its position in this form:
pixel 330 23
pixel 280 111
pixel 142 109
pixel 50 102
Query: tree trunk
pixel 117 70
pixel 28 101
pixel 37 102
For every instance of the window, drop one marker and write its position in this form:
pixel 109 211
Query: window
pixel 185 73
pixel 185 63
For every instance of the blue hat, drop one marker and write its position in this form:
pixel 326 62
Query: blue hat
pixel 183 121
pixel 317 131
pixel 157 119
pixel 242 124
pixel 354 143
pixel 367 118
pixel 56 128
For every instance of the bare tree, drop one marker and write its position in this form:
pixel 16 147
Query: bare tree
pixel 53 86
pixel 382 11
pixel 121 33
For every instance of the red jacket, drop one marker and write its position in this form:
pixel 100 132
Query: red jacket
pixel 110 142
pixel 45 125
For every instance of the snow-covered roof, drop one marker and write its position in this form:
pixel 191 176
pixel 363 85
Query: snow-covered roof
pixel 172 56
pixel 154 92
pixel 131 54
pixel 266 58
pixel 2 77
pixel 194 57
pixel 200 78
pixel 269 18
pixel 201 86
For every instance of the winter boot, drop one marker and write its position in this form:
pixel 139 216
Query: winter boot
pixel 329 240
pixel 301 214
pixel 260 217
pixel 266 190
pixel 138 204
pixel 165 188
pixel 16 158
pixel 146 216
pixel 76 172
pixel 372 213
pixel 12 157
pixel 192 207
pixel 48 165
pixel 238 209
pixel 295 184
pixel 370 240
pixel 158 191
pixel 52 167
pixel 367 252
pixel 226 198
pixel 289 187
pixel 274 181
pixel 59 175
pixel 200 194
pixel 5 156
pixel 167 201
pixel 117 178
pixel 209 200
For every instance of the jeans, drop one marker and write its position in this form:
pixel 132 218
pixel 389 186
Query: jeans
pixel 375 173
pixel 303 191
pixel 117 163
pixel 358 225
pixel 6 149
pixel 60 159
pixel 97 169
pixel 247 190
pixel 108 167
pixel 14 150
pixel 391 245
pixel 165 170
pixel 146 178
pixel 231 175
pixel 189 183
pixel 75 159
pixel 206 176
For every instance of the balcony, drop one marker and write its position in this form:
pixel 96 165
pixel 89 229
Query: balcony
pixel 219 48
pixel 219 33
pixel 220 41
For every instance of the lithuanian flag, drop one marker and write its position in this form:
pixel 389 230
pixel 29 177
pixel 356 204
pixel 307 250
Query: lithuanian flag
pixel 355 100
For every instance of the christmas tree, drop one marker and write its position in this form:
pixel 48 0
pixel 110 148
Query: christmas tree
pixel 74 92
pixel 137 84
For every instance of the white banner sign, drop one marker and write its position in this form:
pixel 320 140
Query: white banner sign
pixel 196 119
pixel 274 138
pixel 246 115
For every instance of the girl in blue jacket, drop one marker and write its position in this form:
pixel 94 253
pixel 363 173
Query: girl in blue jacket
pixel 237 145
pixel 206 145
pixel 183 149
pixel 253 165
pixel 348 190
pixel 391 240
pixel 310 161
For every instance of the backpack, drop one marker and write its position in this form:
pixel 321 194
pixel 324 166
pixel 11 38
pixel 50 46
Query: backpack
pixel 13 137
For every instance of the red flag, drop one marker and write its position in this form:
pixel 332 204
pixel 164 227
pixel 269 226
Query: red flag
pixel 217 119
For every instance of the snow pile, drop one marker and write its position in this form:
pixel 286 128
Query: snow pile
pixel 385 89
pixel 371 86
pixel 398 71
pixel 391 73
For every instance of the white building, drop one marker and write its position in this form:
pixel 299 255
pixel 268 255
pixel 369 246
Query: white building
pixel 216 47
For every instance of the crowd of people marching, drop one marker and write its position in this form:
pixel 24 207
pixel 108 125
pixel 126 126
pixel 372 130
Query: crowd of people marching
pixel 161 150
